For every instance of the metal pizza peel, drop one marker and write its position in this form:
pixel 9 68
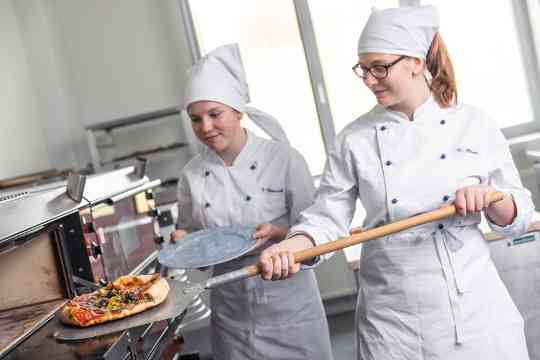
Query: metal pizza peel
pixel 208 247
pixel 175 304
pixel 182 294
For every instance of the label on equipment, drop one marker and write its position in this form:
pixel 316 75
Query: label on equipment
pixel 523 239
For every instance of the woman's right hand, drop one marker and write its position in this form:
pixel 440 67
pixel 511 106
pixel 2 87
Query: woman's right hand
pixel 178 235
pixel 277 261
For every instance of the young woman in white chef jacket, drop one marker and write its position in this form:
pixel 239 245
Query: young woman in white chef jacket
pixel 240 178
pixel 431 292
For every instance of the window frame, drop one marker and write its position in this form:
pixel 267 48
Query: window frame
pixel 525 35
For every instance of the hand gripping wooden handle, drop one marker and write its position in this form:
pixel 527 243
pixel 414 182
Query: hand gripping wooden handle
pixel 385 230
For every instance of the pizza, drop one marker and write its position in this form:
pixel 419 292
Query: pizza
pixel 126 296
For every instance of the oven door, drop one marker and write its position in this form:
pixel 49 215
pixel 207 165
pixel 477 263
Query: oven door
pixel 35 280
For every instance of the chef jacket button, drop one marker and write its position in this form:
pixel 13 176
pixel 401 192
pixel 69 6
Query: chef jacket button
pixel 253 167
pixel 394 201
pixel 388 163
pixel 446 197
pixel 382 128
pixel 443 122
pixel 206 173
pixel 443 156
pixel 248 198
pixel 440 226
pixel 207 205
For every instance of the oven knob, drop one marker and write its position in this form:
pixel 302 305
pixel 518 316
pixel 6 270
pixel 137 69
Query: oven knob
pixel 154 212
pixel 159 240
pixel 96 250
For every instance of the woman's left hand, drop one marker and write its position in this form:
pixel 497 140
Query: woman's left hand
pixel 473 199
pixel 263 233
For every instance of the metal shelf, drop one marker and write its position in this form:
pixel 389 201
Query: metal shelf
pixel 108 126
pixel 135 119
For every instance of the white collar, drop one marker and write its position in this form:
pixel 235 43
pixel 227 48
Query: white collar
pixel 244 157
pixel 427 110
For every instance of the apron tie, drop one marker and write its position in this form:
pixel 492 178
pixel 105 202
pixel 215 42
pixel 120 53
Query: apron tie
pixel 447 244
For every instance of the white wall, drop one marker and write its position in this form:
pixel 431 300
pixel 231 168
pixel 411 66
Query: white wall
pixel 24 149
pixel 55 101
pixel 74 62
pixel 125 56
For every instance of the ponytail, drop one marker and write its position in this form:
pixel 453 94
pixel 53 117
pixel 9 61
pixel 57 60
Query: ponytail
pixel 443 83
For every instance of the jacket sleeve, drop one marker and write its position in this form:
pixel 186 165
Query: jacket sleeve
pixel 504 177
pixel 330 216
pixel 299 186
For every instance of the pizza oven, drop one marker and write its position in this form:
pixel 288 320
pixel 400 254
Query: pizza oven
pixel 62 239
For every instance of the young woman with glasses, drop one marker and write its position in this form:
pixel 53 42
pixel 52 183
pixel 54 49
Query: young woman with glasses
pixel 431 292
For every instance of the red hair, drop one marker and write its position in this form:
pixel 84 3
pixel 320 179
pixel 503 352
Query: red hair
pixel 443 84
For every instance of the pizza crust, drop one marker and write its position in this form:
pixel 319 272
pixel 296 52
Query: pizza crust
pixel 159 291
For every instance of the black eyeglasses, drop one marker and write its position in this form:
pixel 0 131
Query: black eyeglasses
pixel 379 72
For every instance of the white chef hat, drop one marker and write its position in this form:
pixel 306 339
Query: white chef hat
pixel 220 76
pixel 407 30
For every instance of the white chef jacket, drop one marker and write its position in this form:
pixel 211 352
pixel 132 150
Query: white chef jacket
pixel 269 182
pixel 431 292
